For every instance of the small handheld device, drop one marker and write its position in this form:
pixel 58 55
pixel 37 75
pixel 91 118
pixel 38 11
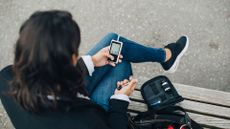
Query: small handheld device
pixel 126 84
pixel 115 50
pixel 120 87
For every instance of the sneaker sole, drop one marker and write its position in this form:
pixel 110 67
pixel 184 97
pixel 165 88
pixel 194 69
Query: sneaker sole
pixel 177 61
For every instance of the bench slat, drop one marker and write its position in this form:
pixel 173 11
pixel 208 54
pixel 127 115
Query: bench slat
pixel 208 109
pixel 204 95
pixel 210 121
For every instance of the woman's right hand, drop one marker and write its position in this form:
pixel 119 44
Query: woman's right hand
pixel 101 58
pixel 126 89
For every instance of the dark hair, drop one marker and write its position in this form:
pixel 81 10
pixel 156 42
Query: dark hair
pixel 43 61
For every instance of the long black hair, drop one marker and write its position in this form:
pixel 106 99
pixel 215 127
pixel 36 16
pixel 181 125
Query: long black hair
pixel 43 61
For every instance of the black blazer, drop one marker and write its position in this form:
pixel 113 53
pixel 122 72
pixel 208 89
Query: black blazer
pixel 83 115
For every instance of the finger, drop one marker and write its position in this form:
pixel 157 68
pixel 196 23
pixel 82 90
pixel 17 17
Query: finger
pixel 125 81
pixel 132 83
pixel 109 56
pixel 118 83
pixel 106 48
pixel 112 64
pixel 133 87
pixel 119 61
pixel 122 83
pixel 121 56
pixel 106 62
pixel 131 77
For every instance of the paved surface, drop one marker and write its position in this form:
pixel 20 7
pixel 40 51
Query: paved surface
pixel 149 22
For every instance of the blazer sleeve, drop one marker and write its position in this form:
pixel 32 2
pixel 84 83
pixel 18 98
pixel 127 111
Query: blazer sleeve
pixel 82 67
pixel 118 118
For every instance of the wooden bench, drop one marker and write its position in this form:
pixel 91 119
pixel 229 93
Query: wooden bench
pixel 208 107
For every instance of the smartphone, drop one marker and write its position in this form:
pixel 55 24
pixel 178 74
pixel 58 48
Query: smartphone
pixel 115 50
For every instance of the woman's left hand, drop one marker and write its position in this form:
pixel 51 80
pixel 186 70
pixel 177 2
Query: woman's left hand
pixel 101 58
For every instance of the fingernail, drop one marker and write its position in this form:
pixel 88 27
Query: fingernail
pixel 130 77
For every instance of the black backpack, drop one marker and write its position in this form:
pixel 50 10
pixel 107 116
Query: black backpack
pixel 161 96
pixel 172 117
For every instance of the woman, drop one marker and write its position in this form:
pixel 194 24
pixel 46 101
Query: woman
pixel 50 87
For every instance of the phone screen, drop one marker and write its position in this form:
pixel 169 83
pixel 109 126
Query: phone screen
pixel 115 49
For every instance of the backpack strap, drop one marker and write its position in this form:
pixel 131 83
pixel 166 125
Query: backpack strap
pixel 175 114
pixel 195 125
pixel 171 109
pixel 142 115
pixel 175 109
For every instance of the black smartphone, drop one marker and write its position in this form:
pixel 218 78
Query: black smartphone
pixel 115 50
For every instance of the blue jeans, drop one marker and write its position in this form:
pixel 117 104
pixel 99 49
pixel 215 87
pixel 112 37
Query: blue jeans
pixel 102 84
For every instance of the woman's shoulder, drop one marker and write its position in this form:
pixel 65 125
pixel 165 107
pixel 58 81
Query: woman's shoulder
pixel 7 72
pixel 6 75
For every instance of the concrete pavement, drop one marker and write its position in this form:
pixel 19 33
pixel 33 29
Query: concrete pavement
pixel 149 22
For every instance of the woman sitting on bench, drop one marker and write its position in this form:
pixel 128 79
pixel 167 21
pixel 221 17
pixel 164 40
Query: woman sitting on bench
pixel 50 87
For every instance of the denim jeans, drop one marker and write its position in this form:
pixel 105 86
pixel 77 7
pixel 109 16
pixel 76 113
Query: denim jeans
pixel 102 84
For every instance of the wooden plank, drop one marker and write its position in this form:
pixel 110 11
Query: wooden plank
pixel 204 95
pixel 206 121
pixel 207 109
pixel 202 108
pixel 137 106
pixel 136 95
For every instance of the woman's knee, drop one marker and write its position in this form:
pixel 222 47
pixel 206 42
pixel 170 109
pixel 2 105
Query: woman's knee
pixel 111 35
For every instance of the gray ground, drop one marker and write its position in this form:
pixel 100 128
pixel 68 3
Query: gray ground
pixel 149 22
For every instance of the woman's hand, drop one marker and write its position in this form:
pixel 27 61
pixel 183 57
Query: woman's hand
pixel 101 58
pixel 127 87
